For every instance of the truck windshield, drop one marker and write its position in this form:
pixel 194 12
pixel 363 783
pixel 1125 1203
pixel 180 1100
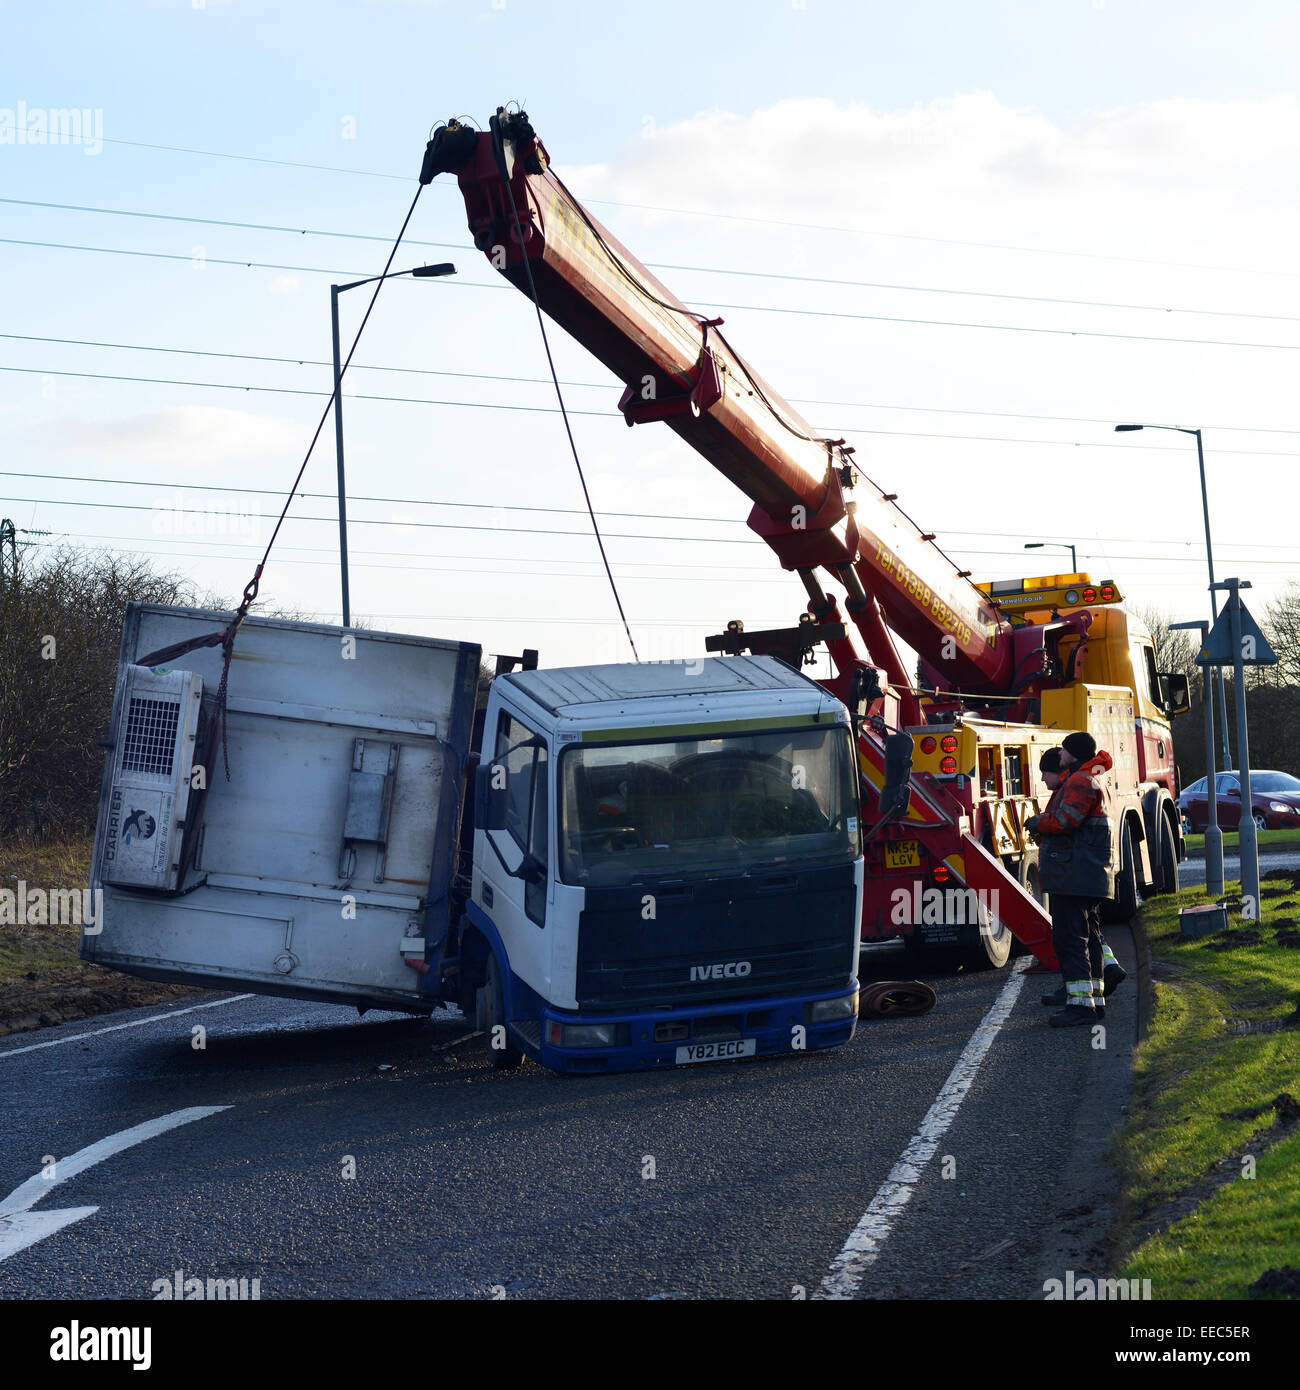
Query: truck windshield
pixel 633 812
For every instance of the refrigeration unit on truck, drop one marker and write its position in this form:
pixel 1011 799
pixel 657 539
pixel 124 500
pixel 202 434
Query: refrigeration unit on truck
pixel 607 868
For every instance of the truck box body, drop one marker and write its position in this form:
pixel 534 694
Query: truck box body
pixel 287 894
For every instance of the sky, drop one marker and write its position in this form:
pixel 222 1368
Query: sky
pixel 971 237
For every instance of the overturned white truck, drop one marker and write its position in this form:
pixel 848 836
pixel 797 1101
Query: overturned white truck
pixel 651 864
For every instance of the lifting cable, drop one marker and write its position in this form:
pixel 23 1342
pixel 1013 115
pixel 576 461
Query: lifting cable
pixel 559 395
pixel 215 734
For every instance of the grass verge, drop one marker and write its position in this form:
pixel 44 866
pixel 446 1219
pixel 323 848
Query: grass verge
pixel 42 980
pixel 1268 839
pixel 1210 1164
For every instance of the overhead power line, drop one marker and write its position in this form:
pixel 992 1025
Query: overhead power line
pixel 232 556
pixel 514 530
pixel 614 415
pixel 169 486
pixel 600 385
pixel 739 217
pixel 668 265
pixel 711 304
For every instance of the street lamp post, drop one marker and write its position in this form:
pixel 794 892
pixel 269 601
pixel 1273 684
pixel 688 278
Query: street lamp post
pixel 1058 545
pixel 1209 560
pixel 1213 835
pixel 419 272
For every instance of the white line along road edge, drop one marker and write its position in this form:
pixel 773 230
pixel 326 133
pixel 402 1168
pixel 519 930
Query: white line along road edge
pixel 864 1244
pixel 21 1227
pixel 117 1027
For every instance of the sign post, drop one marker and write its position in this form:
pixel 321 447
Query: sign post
pixel 1236 638
pixel 1213 835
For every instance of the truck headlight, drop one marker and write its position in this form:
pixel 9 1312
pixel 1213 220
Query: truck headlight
pixel 832 1010
pixel 586 1034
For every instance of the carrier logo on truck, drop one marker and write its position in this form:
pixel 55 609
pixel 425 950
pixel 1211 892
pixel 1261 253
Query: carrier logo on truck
pixel 732 970
pixel 140 824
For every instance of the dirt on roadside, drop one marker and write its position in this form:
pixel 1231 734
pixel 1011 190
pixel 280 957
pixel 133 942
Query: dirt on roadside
pixel 78 991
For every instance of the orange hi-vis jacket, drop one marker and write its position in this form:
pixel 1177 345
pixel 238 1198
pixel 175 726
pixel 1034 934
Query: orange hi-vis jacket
pixel 1077 855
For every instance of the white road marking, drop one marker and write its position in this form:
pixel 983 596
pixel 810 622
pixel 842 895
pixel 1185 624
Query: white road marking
pixel 21 1227
pixel 25 1228
pixel 864 1244
pixel 116 1027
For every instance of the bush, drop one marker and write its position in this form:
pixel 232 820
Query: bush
pixel 60 629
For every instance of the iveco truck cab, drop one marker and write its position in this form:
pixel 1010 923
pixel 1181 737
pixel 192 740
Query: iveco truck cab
pixel 667 864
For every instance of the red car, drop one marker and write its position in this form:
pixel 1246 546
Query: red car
pixel 1275 800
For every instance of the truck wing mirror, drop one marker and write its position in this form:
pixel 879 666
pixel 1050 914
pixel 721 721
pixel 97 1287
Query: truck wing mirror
pixel 896 793
pixel 530 869
pixel 491 797
pixel 1174 695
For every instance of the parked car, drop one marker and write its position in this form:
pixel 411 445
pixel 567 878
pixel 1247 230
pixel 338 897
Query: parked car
pixel 1274 796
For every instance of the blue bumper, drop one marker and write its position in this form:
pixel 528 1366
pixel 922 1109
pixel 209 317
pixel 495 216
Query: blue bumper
pixel 774 1026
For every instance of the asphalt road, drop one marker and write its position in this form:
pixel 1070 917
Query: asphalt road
pixel 472 1183
pixel 1192 871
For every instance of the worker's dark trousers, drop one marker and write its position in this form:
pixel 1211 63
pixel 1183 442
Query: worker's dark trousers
pixel 1076 934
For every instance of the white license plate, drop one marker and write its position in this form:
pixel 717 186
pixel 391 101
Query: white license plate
pixel 717 1051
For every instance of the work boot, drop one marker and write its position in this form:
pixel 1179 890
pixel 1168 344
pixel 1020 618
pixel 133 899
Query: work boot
pixel 1057 997
pixel 1072 1016
pixel 1113 976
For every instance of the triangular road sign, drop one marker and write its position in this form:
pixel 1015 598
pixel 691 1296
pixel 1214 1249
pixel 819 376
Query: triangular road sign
pixel 1255 650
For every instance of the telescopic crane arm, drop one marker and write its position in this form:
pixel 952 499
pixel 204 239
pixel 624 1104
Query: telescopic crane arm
pixel 680 369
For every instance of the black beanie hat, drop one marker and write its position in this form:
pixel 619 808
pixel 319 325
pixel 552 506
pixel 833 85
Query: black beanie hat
pixel 1050 761
pixel 1079 746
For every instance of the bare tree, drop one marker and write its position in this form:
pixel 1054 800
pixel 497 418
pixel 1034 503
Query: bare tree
pixel 60 630
pixel 1282 627
pixel 1175 651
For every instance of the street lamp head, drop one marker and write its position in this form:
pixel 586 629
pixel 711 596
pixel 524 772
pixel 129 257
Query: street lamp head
pixel 1033 545
pixel 1124 429
pixel 424 272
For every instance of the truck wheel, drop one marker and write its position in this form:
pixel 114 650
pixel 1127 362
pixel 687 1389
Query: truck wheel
pixel 1167 873
pixel 990 950
pixel 1124 906
pixel 491 1015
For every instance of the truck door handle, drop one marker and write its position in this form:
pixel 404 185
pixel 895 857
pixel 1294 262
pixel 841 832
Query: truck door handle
pixel 776 885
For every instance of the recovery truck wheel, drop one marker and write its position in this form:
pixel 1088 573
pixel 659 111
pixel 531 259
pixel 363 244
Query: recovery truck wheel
pixel 491 1015
pixel 1125 904
pixel 989 949
pixel 1167 873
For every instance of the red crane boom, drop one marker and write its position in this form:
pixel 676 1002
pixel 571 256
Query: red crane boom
pixel 679 368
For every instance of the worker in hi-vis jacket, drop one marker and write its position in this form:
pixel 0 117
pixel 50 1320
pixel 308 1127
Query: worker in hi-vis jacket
pixel 1076 870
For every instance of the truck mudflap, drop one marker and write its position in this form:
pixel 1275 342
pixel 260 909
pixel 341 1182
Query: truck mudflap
pixel 1022 915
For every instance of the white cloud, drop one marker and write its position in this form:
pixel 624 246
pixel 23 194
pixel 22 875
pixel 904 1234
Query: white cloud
pixel 179 435
pixel 283 284
pixel 971 167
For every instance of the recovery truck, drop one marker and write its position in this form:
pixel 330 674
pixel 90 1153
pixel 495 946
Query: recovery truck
pixel 1005 669
pixel 606 868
